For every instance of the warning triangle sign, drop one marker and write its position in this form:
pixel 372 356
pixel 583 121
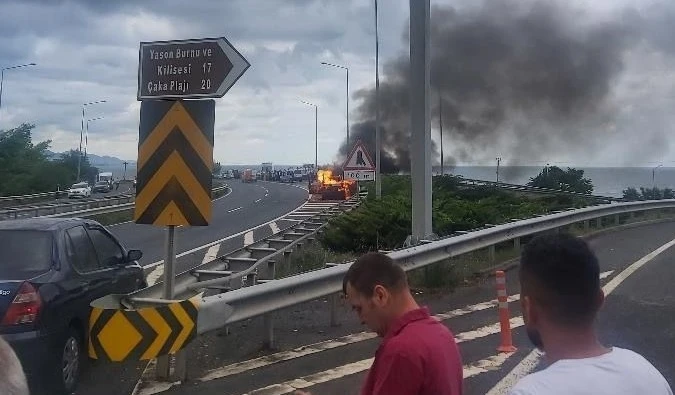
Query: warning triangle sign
pixel 359 159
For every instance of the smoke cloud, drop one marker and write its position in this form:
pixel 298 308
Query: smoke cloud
pixel 534 78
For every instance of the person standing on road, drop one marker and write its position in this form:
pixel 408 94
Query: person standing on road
pixel 418 354
pixel 560 297
pixel 12 379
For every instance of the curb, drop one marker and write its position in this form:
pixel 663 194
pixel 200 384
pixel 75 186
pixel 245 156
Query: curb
pixel 512 263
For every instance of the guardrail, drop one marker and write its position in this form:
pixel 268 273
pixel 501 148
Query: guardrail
pixel 247 265
pixel 527 188
pixel 18 199
pixel 217 311
pixel 104 205
pixel 231 297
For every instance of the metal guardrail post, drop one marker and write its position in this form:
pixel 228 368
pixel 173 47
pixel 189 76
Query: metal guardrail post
pixel 491 253
pixel 587 225
pixel 334 301
pixel 516 244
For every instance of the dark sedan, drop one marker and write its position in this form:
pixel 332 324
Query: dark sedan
pixel 102 186
pixel 50 271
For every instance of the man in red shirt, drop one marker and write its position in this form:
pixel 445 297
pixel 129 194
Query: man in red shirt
pixel 418 354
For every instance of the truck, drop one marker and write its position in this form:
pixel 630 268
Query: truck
pixel 249 176
pixel 105 176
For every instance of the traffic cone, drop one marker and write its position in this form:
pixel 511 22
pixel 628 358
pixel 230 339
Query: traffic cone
pixel 506 344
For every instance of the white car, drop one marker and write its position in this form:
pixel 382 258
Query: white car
pixel 81 189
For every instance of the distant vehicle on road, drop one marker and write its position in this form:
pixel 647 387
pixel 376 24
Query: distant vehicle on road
pixel 51 270
pixel 81 189
pixel 102 186
pixel 249 176
pixel 105 176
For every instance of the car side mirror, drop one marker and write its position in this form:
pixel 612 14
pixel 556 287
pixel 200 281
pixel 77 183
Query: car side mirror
pixel 134 255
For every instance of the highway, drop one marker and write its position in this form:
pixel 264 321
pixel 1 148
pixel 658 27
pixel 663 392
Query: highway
pixel 248 212
pixel 333 360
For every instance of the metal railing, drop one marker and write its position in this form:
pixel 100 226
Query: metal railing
pixel 217 311
pixel 88 207
pixel 250 264
pixel 18 199
pixel 527 188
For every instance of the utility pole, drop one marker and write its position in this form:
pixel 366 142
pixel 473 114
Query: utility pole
pixel 124 177
pixel 498 160
pixel 420 124
pixel 378 137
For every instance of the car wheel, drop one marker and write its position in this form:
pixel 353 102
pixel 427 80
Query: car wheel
pixel 68 363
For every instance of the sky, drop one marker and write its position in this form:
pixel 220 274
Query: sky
pixel 88 51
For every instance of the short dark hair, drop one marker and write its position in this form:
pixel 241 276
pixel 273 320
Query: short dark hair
pixel 374 269
pixel 562 273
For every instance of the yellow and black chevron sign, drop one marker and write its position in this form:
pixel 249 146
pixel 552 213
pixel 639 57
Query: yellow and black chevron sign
pixel 124 335
pixel 175 160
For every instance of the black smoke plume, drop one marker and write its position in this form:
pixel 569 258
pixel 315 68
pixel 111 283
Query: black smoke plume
pixel 534 77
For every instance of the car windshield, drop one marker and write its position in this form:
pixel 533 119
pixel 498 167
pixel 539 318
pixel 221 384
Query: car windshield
pixel 18 262
pixel 79 185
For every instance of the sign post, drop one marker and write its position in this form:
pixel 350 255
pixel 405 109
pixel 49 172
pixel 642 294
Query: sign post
pixel 359 165
pixel 175 149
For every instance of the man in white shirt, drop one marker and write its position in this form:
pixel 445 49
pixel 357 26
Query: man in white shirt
pixel 560 297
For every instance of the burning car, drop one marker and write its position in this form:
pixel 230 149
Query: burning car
pixel 331 187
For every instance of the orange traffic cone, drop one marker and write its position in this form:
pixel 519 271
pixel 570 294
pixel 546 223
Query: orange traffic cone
pixel 504 314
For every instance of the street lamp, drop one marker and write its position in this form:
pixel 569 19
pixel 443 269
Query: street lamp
pixel 498 161
pixel 316 133
pixel 86 134
pixel 79 157
pixel 654 174
pixel 2 76
pixel 346 69
pixel 378 137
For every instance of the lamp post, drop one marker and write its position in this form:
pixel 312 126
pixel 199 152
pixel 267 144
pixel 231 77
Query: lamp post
pixel 86 134
pixel 347 70
pixel 498 161
pixel 654 175
pixel 316 133
pixel 79 157
pixel 2 76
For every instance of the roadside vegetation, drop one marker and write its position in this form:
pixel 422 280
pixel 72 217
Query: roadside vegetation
pixel 25 167
pixel 632 194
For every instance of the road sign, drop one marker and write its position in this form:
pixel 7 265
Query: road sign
pixel 182 69
pixel 360 175
pixel 359 159
pixel 175 159
pixel 143 334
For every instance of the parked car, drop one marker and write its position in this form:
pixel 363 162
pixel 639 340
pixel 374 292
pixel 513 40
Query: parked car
pixel 102 186
pixel 81 189
pixel 51 269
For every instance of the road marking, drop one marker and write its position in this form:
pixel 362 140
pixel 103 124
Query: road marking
pixel 211 254
pixel 234 209
pixel 258 200
pixel 474 369
pixel 248 238
pixel 532 359
pixel 274 227
pixel 154 275
pixel 225 195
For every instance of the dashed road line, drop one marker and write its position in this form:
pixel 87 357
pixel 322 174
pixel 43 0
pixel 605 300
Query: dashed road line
pixel 211 254
pixel 275 228
pixel 234 209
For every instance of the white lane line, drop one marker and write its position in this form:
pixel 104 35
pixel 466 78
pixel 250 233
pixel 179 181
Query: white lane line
pixel 274 227
pixel 234 209
pixel 474 369
pixel 248 238
pixel 258 200
pixel 211 254
pixel 229 191
pixel 532 359
pixel 154 275
pixel 267 360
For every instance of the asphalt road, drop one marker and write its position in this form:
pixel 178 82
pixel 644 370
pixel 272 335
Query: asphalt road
pixel 246 207
pixel 334 360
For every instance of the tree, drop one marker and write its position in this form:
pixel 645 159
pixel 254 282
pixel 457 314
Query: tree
pixel 570 180
pixel 69 161
pixel 217 168
pixel 631 194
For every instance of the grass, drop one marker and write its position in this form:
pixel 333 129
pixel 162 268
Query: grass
pixel 307 258
pixel 114 218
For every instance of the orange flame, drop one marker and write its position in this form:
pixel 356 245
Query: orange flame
pixel 325 177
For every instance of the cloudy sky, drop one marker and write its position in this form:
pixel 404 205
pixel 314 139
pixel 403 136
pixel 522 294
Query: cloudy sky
pixel 88 50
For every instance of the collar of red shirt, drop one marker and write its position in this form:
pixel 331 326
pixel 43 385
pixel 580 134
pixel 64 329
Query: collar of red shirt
pixel 405 319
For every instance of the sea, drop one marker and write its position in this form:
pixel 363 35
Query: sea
pixel 607 181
